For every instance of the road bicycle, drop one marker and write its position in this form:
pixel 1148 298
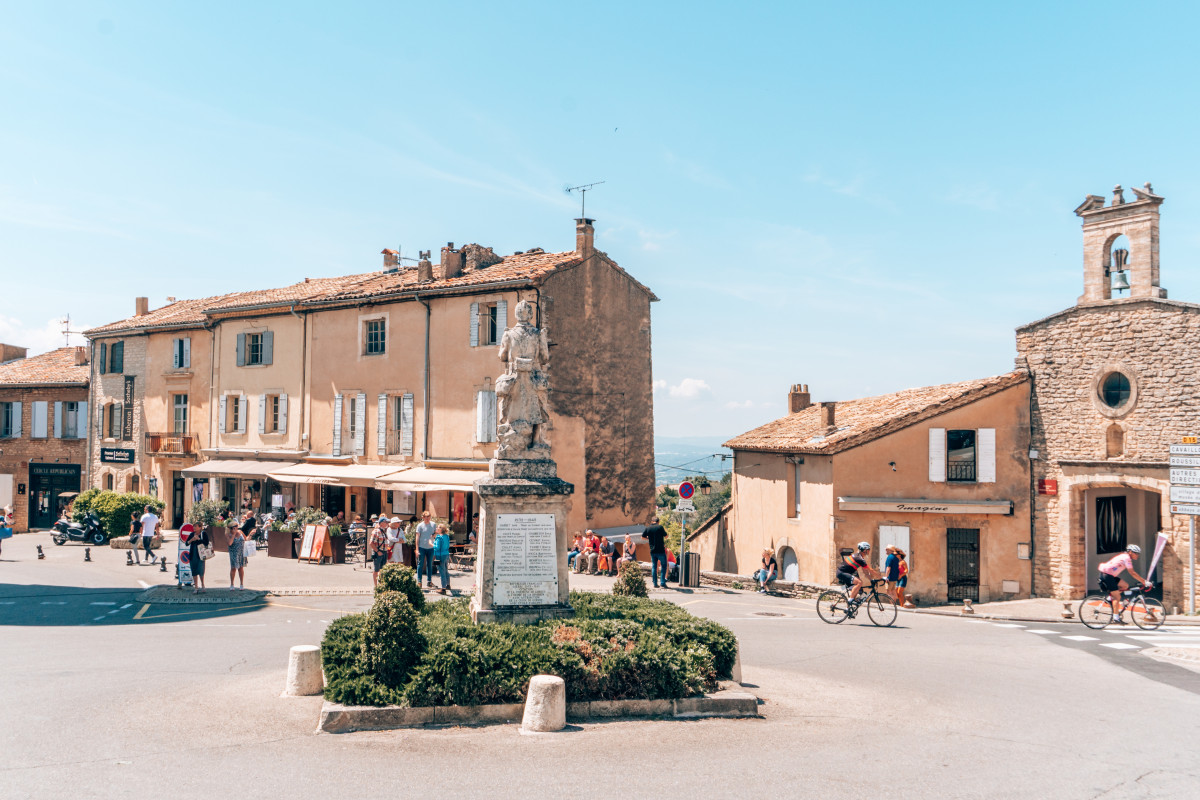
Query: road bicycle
pixel 1095 610
pixel 835 606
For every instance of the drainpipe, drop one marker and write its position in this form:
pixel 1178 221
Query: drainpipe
pixel 425 395
pixel 1032 486
pixel 304 394
pixel 212 389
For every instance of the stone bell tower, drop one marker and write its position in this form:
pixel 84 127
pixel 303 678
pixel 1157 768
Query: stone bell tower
pixel 1138 221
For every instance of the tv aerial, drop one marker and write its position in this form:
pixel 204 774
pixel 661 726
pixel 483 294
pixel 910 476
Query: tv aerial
pixel 583 190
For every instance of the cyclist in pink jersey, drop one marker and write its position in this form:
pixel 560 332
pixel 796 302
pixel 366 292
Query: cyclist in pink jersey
pixel 1110 578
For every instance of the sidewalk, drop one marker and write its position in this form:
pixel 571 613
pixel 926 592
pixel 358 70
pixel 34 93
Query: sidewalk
pixel 1036 609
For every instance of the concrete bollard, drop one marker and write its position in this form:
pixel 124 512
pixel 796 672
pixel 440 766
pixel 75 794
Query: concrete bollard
pixel 736 672
pixel 304 671
pixel 546 705
pixel 967 607
pixel 1068 612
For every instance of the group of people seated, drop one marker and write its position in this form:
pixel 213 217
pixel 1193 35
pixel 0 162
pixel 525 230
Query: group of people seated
pixel 597 555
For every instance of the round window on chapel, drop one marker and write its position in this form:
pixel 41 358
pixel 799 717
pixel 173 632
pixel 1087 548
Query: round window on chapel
pixel 1114 391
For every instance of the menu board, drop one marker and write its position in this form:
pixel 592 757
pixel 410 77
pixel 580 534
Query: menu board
pixel 525 567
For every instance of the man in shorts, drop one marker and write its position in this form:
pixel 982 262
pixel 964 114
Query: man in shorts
pixel 1110 578
pixel 850 570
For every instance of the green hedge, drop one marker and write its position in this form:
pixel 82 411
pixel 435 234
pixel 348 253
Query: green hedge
pixel 616 648
pixel 399 578
pixel 630 581
pixel 114 509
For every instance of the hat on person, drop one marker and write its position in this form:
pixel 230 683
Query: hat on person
pixel 383 520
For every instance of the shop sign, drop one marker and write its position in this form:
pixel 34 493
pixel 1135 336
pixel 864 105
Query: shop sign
pixel 1047 486
pixel 922 506
pixel 116 455
pixel 54 470
pixel 127 422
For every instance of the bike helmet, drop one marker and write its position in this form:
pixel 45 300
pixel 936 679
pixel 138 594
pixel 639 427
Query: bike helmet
pixel 864 546
pixel 1133 548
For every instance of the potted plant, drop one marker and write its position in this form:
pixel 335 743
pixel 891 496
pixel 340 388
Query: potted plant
pixel 205 515
pixel 218 534
pixel 337 544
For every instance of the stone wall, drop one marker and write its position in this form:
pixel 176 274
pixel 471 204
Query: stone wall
pixel 17 453
pixel 110 388
pixel 1156 343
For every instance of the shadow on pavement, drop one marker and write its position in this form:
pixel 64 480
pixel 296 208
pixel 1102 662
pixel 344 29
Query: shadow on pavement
pixel 41 605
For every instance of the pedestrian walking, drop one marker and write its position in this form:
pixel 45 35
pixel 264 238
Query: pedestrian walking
pixel 6 525
pixel 891 571
pixel 149 522
pixel 395 535
pixel 902 580
pixel 135 536
pixel 426 532
pixel 236 538
pixel 656 535
pixel 198 540
pixel 377 546
pixel 441 551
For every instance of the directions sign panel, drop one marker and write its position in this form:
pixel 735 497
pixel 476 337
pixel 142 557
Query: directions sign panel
pixel 1186 508
pixel 1185 461
pixel 1187 477
pixel 1185 449
pixel 1185 494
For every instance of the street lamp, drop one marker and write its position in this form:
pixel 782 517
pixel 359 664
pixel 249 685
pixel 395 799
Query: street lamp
pixel 703 484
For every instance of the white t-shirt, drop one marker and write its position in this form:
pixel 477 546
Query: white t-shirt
pixel 149 524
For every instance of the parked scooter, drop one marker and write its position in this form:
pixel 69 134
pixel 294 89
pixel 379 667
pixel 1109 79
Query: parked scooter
pixel 89 531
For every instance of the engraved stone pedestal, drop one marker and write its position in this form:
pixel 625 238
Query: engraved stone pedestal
pixel 521 565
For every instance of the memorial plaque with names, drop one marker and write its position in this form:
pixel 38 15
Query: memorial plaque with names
pixel 526 561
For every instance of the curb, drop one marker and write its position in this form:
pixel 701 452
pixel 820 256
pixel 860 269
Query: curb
pixel 337 718
pixel 171 595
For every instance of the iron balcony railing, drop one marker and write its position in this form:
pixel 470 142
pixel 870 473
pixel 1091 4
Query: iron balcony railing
pixel 963 471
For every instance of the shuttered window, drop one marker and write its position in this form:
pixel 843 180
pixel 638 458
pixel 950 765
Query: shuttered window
pixel 485 416
pixel 116 358
pixel 962 455
pixel 337 424
pixel 39 425
pixel 360 424
pixel 10 420
pixel 181 351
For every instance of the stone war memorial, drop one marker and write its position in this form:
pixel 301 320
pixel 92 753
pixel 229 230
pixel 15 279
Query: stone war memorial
pixel 521 569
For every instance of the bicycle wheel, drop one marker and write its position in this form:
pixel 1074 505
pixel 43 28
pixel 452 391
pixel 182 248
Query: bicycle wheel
pixel 1148 614
pixel 833 607
pixel 1095 611
pixel 882 610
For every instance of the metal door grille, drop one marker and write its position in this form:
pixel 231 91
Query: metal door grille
pixel 962 564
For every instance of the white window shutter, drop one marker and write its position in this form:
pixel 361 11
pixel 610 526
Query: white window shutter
pixel 985 455
pixel 16 412
pixel 241 349
pixel 81 420
pixel 360 425
pixel 381 427
pixel 491 416
pixel 41 410
pixel 221 414
pixel 501 319
pixel 283 413
pixel 337 424
pixel 268 347
pixel 474 324
pixel 406 425
pixel 937 455
pixel 187 352
pixel 242 408
pixel 58 419
pixel 262 413
pixel 176 353
pixel 481 416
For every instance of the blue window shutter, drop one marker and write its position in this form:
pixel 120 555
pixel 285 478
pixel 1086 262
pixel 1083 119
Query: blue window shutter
pixel 501 319
pixel 262 413
pixel 187 352
pixel 474 324
pixel 268 346
pixel 406 425
pixel 241 349
pixel 242 413
pixel 221 414
pixel 58 421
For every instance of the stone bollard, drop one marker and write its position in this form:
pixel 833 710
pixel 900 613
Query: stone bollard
pixel 304 671
pixel 546 705
pixel 967 607
pixel 1067 611
pixel 736 672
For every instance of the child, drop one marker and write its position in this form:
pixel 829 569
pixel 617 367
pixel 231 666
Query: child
pixel 902 582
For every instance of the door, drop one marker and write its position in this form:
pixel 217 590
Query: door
pixel 962 564
pixel 791 570
pixel 176 501
pixel 46 483
pixel 893 536
pixel 374 502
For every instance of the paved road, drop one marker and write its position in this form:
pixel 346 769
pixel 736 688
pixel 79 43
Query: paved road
pixel 126 701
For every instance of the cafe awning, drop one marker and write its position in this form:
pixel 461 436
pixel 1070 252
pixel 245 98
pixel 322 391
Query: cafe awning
pixel 333 474
pixel 234 468
pixel 428 479
pixel 925 506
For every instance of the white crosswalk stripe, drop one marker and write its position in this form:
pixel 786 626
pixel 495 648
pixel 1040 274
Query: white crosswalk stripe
pixel 1008 625
pixel 1119 645
pixel 1082 638
pixel 1044 632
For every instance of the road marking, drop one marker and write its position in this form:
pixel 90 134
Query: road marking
pixel 209 610
pixel 1082 638
pixel 145 608
pixel 127 605
pixel 97 619
pixel 1008 625
pixel 101 604
pixel 1050 633
pixel 1120 646
pixel 144 584
pixel 8 603
pixel 53 603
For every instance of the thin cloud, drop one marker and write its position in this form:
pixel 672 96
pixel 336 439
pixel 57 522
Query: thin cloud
pixel 689 388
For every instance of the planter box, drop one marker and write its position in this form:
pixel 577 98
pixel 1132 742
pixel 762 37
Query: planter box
pixel 337 546
pixel 279 544
pixel 217 537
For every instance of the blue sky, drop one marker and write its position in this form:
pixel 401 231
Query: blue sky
pixel 861 197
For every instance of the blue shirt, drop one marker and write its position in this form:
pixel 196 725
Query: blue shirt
pixel 891 567
pixel 441 546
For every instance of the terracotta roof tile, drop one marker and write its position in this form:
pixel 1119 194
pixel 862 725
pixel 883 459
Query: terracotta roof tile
pixel 868 418
pixel 184 313
pixel 56 368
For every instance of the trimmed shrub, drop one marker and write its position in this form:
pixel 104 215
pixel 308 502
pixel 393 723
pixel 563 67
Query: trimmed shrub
pixel 399 578
pixel 114 508
pixel 391 641
pixel 630 580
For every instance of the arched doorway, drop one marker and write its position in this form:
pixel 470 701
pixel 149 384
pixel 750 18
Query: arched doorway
pixel 1115 517
pixel 788 565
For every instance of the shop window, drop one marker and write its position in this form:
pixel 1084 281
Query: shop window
pixel 1110 525
pixel 375 337
pixel 960 456
pixel 1115 390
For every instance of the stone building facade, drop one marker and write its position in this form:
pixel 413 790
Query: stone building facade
pixel 1113 388
pixel 43 432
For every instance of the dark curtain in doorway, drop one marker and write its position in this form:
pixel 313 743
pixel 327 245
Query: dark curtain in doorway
pixel 1110 525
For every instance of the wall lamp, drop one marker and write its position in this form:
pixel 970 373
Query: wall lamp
pixel 892 464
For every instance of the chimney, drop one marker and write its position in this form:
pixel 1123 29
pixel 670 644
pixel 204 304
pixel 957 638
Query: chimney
pixel 827 417
pixel 799 398
pixel 452 261
pixel 81 356
pixel 391 260
pixel 142 306
pixel 10 352
pixel 585 236
pixel 424 268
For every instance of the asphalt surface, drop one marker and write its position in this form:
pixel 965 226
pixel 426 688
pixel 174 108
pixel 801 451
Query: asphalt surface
pixel 103 696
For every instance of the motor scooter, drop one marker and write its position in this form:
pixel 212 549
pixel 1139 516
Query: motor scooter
pixel 90 531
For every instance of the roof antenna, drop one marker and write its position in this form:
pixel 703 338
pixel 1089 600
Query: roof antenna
pixel 583 190
pixel 66 330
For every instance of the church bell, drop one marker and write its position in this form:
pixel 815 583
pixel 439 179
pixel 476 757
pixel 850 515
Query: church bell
pixel 1120 281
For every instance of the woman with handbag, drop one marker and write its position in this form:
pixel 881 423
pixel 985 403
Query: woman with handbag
pixel 135 535
pixel 237 556
pixel 198 551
